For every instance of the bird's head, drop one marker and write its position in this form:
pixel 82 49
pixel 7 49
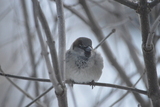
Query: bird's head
pixel 82 46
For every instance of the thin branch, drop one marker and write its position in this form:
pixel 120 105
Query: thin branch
pixel 102 41
pixel 134 90
pixel 28 105
pixel 30 46
pixel 22 99
pixel 143 13
pixel 96 83
pixel 99 5
pixel 128 91
pixel 128 3
pixel 62 97
pixel 77 14
pixel 107 9
pixel 128 40
pixel 50 41
pixel 62 38
pixel 152 32
pixel 154 3
pixel 26 94
pixel 51 72
pixel 25 78
pixel 49 67
pixel 107 96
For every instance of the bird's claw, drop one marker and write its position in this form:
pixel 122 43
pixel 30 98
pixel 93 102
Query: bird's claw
pixel 92 84
pixel 70 82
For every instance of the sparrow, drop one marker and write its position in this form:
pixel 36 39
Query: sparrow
pixel 83 63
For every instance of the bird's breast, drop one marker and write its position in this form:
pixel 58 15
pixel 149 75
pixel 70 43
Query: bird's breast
pixel 81 63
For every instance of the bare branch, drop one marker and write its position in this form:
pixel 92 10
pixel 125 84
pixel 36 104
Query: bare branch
pixel 62 97
pixel 96 83
pixel 38 12
pixel 28 105
pixel 154 3
pixel 26 94
pixel 102 41
pixel 49 67
pixel 128 91
pixel 152 32
pixel 128 40
pixel 77 14
pixel 144 21
pixel 128 3
pixel 22 99
pixel 30 46
pixel 25 78
pixel 62 38
pixel 134 90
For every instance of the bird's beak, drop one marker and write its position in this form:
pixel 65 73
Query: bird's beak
pixel 88 49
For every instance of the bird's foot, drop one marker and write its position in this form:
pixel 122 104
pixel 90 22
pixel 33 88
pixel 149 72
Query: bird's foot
pixel 92 84
pixel 70 82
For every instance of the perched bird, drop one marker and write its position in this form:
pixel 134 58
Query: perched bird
pixel 83 63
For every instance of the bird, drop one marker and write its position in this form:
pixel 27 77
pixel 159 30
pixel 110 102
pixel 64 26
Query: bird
pixel 83 63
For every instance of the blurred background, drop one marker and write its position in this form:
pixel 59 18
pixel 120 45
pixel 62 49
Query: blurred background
pixel 20 51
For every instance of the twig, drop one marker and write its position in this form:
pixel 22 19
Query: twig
pixel 49 67
pixel 30 46
pixel 128 3
pixel 50 41
pixel 39 97
pixel 107 96
pixel 134 90
pixel 128 91
pixel 62 97
pixel 96 83
pixel 51 72
pixel 22 98
pixel 62 38
pixel 143 13
pixel 77 14
pixel 154 3
pixel 25 78
pixel 123 22
pixel 102 41
pixel 132 51
pixel 39 103
pixel 152 32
